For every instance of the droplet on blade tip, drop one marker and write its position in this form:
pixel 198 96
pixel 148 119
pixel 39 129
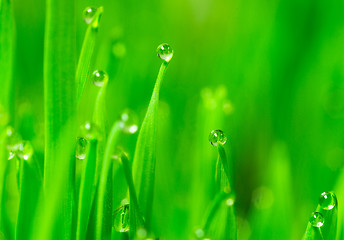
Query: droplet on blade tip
pixel 217 137
pixel 328 200
pixel 165 52
pixel 100 78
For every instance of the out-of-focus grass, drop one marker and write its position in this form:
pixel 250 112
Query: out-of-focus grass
pixel 281 65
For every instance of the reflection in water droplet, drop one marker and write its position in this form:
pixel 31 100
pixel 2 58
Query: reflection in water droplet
pixel 328 200
pixel 100 78
pixel 81 148
pixel 11 155
pixel 230 202
pixel 165 52
pixel 316 219
pixel 121 219
pixel 25 150
pixel 217 136
pixel 88 14
pixel 129 122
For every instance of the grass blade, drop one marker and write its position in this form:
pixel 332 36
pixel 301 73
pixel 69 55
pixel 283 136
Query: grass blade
pixel 87 190
pixel 136 220
pixel 59 99
pixel 83 67
pixel 6 54
pixel 104 199
pixel 144 160
pixel 30 187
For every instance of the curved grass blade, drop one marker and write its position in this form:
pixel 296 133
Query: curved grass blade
pixel 136 220
pixel 103 226
pixel 30 187
pixel 59 99
pixel 328 228
pixel 87 190
pixel 339 190
pixel 83 67
pixel 145 155
pixel 6 54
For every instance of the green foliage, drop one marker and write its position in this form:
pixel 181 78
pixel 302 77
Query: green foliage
pixel 269 74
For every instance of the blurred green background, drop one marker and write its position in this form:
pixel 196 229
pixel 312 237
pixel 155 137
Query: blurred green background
pixel 269 73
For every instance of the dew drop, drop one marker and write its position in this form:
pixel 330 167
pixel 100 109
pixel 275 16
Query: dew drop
pixel 230 201
pixel 217 136
pixel 328 200
pixel 165 52
pixel 25 150
pixel 88 14
pixel 81 147
pixel 12 139
pixel 100 78
pixel 141 233
pixel 316 219
pixel 121 219
pixel 90 131
pixel 11 155
pixel 128 121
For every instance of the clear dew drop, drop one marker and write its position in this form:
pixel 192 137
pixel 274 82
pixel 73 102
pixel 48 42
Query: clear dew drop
pixel 230 202
pixel 121 219
pixel 165 52
pixel 81 148
pixel 316 219
pixel 216 137
pixel 328 200
pixel 141 233
pixel 12 139
pixel 100 78
pixel 128 122
pixel 88 14
pixel 25 150
pixel 90 131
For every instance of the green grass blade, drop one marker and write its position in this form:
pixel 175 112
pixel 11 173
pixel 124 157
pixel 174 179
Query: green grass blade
pixel 87 190
pixel 339 190
pixel 6 53
pixel 144 160
pixel 30 187
pixel 103 226
pixel 83 67
pixel 59 99
pixel 329 228
pixel 136 220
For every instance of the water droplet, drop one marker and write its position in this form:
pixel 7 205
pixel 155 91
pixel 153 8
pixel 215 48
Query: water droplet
pixel 121 219
pixel 230 201
pixel 117 154
pixel 316 219
pixel 217 136
pixel 100 78
pixel 25 150
pixel 90 131
pixel 328 200
pixel 129 122
pixel 12 139
pixel 81 148
pixel 199 233
pixel 165 52
pixel 88 14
